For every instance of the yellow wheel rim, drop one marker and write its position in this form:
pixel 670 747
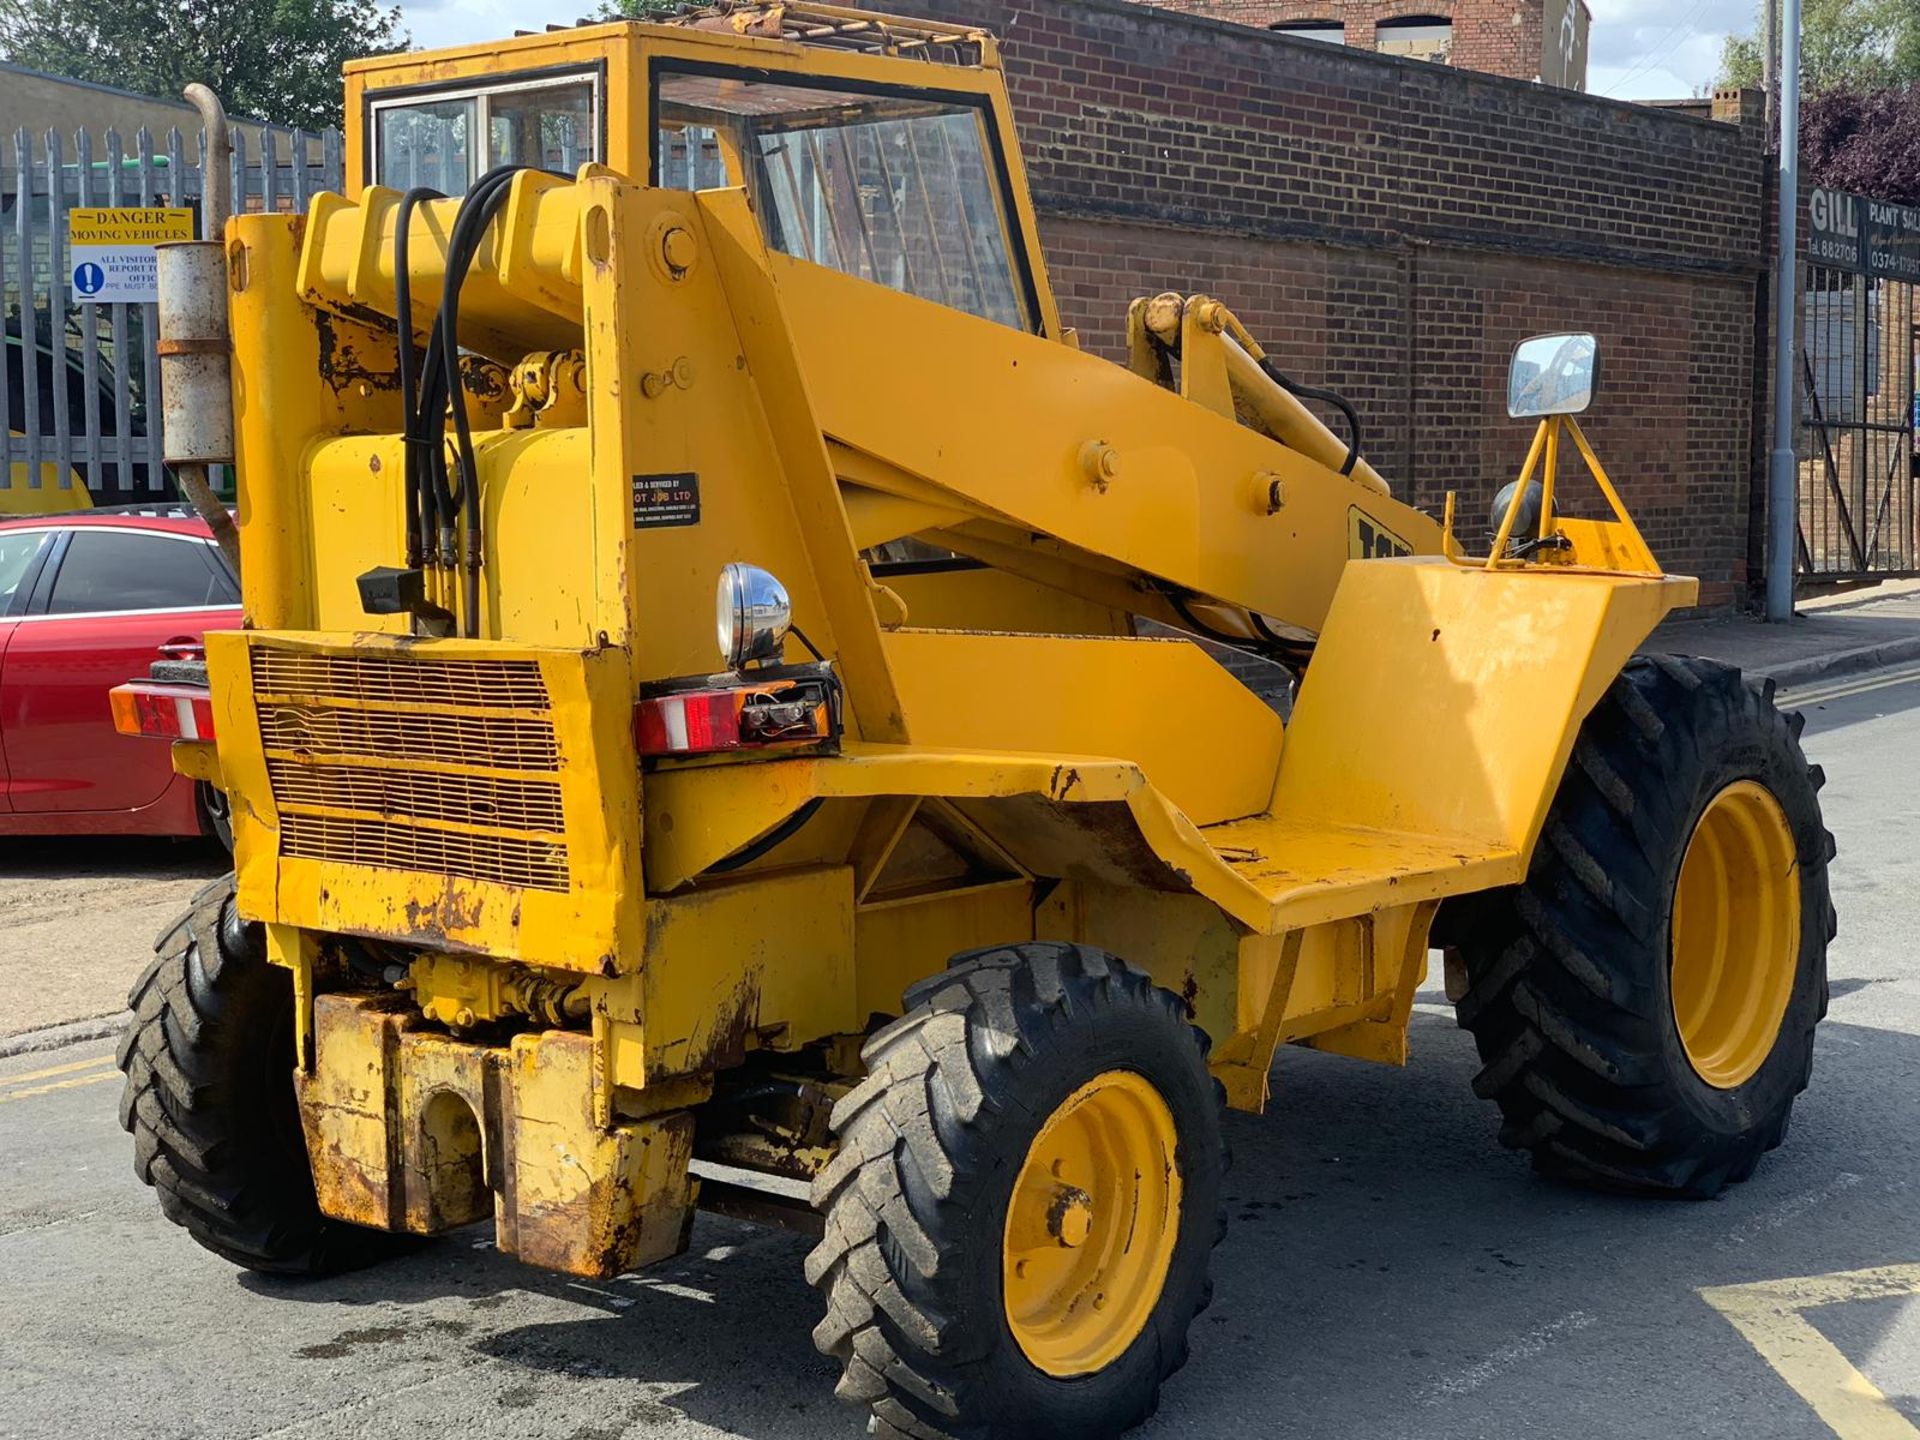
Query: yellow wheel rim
pixel 1092 1225
pixel 1736 934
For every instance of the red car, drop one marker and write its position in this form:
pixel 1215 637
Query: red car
pixel 89 601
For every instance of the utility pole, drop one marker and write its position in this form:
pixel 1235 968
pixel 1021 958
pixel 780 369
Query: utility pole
pixel 1783 473
pixel 1770 59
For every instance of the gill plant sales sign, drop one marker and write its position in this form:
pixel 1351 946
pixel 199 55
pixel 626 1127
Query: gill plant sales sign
pixel 110 251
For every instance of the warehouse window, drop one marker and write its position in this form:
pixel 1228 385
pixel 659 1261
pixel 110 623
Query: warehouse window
pixel 1417 37
pixel 1333 32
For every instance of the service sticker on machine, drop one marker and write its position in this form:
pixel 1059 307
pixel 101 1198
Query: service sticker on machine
pixel 110 251
pixel 662 500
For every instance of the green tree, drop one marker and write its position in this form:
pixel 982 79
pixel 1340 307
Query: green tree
pixel 1851 45
pixel 275 60
pixel 640 9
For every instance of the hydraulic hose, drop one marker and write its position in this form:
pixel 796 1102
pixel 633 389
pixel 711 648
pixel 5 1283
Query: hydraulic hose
pixel 483 208
pixel 1270 644
pixel 419 497
pixel 785 830
pixel 1325 397
pixel 440 383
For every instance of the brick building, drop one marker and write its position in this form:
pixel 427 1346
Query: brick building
pixel 1390 228
pixel 1522 39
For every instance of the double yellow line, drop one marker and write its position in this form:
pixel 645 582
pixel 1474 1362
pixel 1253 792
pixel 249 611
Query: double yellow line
pixel 57 1077
pixel 1856 685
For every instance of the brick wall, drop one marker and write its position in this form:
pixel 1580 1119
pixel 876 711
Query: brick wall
pixel 1501 37
pixel 1391 227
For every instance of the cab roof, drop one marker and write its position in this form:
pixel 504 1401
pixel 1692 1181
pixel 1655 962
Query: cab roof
pixel 825 27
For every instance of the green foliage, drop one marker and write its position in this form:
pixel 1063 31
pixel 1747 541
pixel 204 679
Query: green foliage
pixel 640 9
pixel 1850 45
pixel 274 60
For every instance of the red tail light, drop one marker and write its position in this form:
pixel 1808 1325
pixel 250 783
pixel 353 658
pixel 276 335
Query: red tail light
pixel 711 719
pixel 163 712
pixel 693 722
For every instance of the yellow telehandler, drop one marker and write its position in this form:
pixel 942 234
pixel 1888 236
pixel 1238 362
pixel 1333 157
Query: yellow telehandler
pixel 932 891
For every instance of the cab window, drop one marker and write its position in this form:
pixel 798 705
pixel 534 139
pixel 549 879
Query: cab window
pixel 447 139
pixel 899 188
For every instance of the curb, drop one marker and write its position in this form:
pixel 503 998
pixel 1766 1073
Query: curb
pixel 56 1037
pixel 1840 663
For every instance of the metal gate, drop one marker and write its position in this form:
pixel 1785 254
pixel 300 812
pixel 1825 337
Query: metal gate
pixel 79 382
pixel 1858 385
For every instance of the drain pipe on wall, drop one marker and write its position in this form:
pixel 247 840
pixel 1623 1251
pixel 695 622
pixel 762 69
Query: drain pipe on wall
pixel 1783 471
pixel 196 353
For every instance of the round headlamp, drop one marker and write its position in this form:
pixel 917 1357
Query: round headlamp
pixel 753 615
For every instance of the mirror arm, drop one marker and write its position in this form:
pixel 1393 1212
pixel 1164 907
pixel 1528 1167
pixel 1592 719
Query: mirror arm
pixel 1519 494
pixel 1550 467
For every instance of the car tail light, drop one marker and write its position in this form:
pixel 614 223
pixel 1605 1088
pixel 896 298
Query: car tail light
pixel 711 718
pixel 162 712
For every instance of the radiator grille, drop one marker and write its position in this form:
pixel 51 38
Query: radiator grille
pixel 506 743
pixel 507 684
pixel 477 799
pixel 414 762
pixel 535 864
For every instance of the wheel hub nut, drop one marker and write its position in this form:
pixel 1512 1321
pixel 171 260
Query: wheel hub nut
pixel 1070 1217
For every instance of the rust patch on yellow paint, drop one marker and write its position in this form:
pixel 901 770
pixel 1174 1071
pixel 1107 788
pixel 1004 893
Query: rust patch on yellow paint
pixel 341 363
pixel 433 921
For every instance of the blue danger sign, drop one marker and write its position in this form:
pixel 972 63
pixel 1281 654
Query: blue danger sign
pixel 89 279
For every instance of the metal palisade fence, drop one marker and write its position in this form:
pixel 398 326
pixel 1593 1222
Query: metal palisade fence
pixel 1859 502
pixel 79 405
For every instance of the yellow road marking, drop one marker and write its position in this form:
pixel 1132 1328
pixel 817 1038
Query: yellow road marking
pixel 1770 1315
pixel 1844 689
pixel 53 1070
pixel 59 1085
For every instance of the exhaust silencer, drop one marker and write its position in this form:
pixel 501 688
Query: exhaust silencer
pixel 196 362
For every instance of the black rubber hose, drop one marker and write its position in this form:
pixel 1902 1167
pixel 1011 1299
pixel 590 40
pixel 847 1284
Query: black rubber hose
pixel 441 382
pixel 1265 647
pixel 434 389
pixel 785 830
pixel 1201 628
pixel 442 385
pixel 485 208
pixel 418 497
pixel 1325 397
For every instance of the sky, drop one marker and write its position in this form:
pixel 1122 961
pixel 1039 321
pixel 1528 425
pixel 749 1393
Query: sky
pixel 1637 50
pixel 1660 49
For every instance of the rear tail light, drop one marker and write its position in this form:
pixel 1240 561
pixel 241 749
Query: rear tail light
pixel 162 712
pixel 712 718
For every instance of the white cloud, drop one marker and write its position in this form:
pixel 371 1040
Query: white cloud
pixel 1660 49
pixel 440 23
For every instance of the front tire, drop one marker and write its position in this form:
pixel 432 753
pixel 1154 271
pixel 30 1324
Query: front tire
pixel 1026 1196
pixel 1645 1002
pixel 210 1104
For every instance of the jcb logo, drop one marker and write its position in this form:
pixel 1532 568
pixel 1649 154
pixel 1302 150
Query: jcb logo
pixel 1367 539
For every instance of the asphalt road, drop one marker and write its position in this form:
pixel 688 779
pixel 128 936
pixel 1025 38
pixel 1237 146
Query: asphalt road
pixel 1389 1273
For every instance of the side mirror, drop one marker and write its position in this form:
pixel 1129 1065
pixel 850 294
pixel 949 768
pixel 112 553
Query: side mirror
pixel 1553 375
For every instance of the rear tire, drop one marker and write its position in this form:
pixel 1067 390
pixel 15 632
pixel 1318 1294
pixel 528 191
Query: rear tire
pixel 216 813
pixel 1599 1073
pixel 209 1100
pixel 988 1098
